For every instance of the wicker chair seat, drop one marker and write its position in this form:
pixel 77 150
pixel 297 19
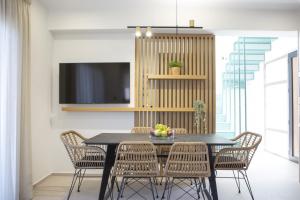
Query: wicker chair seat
pixel 194 172
pixel 135 174
pixel 229 163
pixel 136 169
pixel 92 161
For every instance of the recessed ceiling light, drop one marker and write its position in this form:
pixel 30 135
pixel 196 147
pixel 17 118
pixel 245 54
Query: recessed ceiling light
pixel 138 32
pixel 149 32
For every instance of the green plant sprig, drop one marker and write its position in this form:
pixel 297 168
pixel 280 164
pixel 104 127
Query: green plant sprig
pixel 175 63
pixel 200 113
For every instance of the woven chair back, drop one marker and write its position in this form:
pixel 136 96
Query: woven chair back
pixel 136 159
pixel 251 141
pixel 71 140
pixel 188 159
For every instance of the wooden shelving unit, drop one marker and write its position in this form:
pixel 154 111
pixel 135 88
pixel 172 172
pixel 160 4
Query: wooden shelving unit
pixel 155 87
pixel 175 77
pixel 99 109
pixel 125 109
pixel 161 109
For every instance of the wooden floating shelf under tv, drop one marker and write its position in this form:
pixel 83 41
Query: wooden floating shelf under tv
pixel 124 109
pixel 176 77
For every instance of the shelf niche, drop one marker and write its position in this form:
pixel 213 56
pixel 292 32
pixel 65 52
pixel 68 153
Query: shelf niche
pixel 175 77
pixel 125 109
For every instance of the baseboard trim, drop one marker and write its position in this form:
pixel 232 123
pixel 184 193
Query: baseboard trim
pixel 71 174
pixel 87 175
pixel 41 180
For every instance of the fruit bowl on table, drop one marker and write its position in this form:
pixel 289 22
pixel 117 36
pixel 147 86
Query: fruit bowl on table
pixel 158 134
pixel 161 131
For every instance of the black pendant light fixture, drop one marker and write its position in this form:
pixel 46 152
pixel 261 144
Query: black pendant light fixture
pixel 138 29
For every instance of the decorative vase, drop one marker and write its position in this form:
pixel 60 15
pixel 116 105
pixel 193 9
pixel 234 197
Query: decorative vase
pixel 174 71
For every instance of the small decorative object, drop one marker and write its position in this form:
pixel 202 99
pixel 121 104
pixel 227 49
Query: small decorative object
pixel 161 130
pixel 174 67
pixel 200 114
pixel 192 23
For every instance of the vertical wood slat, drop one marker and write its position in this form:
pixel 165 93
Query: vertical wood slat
pixel 197 52
pixel 214 84
pixel 210 87
pixel 206 71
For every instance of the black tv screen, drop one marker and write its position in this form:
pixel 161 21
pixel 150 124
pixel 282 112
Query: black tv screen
pixel 94 83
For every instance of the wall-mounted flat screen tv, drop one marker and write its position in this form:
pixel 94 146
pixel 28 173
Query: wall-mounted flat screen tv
pixel 94 83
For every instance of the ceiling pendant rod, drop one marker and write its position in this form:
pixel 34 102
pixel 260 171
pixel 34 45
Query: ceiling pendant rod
pixel 166 27
pixel 176 17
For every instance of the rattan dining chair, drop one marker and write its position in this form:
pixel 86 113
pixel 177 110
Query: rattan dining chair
pixel 187 160
pixel 238 158
pixel 83 157
pixel 163 151
pixel 141 129
pixel 134 161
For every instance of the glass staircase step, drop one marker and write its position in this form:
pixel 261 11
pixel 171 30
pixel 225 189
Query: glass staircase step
pixel 247 57
pixel 241 71
pixel 242 67
pixel 238 46
pixel 234 84
pixel 232 76
pixel 244 62
pixel 256 40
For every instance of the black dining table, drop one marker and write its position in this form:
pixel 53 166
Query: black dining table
pixel 112 140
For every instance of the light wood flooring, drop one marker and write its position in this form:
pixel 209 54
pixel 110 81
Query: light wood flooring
pixel 271 177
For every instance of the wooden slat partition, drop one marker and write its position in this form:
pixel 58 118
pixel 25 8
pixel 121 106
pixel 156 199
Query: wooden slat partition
pixel 160 98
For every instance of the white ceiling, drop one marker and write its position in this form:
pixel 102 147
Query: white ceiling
pixel 94 5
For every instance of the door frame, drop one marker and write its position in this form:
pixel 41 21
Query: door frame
pixel 293 106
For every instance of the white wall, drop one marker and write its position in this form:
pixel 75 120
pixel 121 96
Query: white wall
pixel 95 47
pixel 41 60
pixel 48 121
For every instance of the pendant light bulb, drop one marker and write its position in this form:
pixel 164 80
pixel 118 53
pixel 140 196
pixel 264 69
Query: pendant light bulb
pixel 138 32
pixel 149 32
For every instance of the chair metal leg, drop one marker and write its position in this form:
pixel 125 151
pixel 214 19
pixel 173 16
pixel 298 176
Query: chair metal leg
pixel 75 176
pixel 197 188
pixel 111 186
pixel 166 184
pixel 207 194
pixel 80 179
pixel 152 190
pixel 121 189
pixel 237 181
pixel 170 189
pixel 201 189
pixel 245 176
pixel 115 180
pixel 154 181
